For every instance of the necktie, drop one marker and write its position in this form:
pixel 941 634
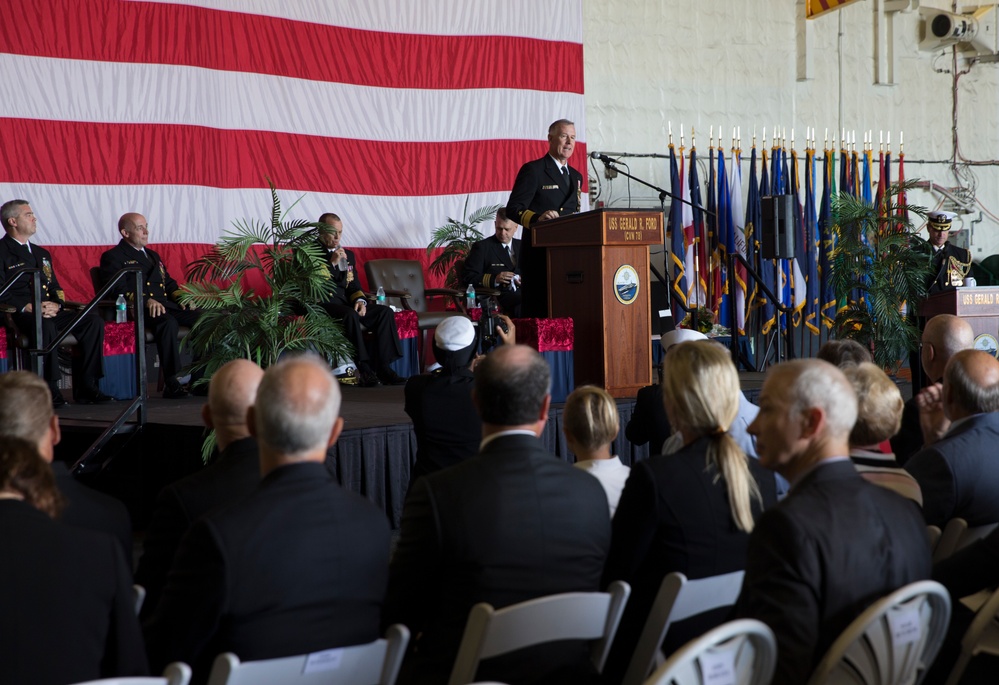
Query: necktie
pixel 565 174
pixel 509 251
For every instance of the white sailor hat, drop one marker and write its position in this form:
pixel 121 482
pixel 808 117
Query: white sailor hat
pixel 940 221
pixel 679 335
pixel 454 333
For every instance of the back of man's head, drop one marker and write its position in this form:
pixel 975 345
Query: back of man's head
pixel 297 409
pixel 971 384
pixel 944 336
pixel 511 386
pixel 844 352
pixel 816 384
pixel 231 393
pixel 26 410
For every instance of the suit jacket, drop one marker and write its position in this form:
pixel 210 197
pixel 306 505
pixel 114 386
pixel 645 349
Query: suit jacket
pixel 14 256
pixel 159 285
pixel 348 288
pixel 510 524
pixel 674 515
pixel 486 259
pixel 958 475
pixel 831 548
pixel 299 565
pixel 68 607
pixel 539 187
pixel 88 508
pixel 232 476
pixel 649 423
pixel 448 428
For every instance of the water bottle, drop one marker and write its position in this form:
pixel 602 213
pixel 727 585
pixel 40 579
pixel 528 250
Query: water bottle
pixel 470 297
pixel 380 296
pixel 121 309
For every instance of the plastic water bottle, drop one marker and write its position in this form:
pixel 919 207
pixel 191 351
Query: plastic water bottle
pixel 121 309
pixel 380 296
pixel 470 296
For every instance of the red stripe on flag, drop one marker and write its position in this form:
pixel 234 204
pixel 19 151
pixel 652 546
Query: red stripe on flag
pixel 154 33
pixel 80 153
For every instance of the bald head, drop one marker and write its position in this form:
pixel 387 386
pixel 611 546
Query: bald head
pixel 971 384
pixel 134 229
pixel 512 386
pixel 296 415
pixel 944 336
pixel 231 393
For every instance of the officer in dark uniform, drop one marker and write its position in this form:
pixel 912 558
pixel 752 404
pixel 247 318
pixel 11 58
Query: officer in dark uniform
pixel 16 252
pixel 349 305
pixel 545 189
pixel 164 315
pixel 494 262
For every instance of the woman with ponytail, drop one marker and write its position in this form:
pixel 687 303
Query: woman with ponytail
pixel 691 511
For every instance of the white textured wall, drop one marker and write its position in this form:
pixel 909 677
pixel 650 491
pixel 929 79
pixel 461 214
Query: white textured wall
pixel 732 63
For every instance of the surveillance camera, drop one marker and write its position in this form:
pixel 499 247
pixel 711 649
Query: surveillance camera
pixel 974 30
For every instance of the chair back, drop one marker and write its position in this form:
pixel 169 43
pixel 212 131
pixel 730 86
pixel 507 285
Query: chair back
pixel 957 535
pixel 568 616
pixel 177 673
pixel 398 274
pixel 678 599
pixel 742 652
pixel 893 642
pixel 375 663
pixel 982 636
pixel 95 279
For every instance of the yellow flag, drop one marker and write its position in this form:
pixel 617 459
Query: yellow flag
pixel 817 7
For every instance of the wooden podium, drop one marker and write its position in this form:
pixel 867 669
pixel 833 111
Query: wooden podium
pixel 978 306
pixel 598 274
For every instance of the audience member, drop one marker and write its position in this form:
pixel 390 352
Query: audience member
pixel 16 252
pixel 691 511
pixel 879 413
pixel 26 413
pixel 234 474
pixel 298 565
pixel 944 336
pixel 957 473
pixel 510 524
pixel 590 424
pixel 492 263
pixel 68 605
pixel 843 353
pixel 836 543
pixel 162 311
pixel 347 303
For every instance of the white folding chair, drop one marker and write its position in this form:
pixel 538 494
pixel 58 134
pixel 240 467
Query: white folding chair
pixel 742 652
pixel 177 673
pixel 140 597
pixel 678 599
pixel 957 535
pixel 375 663
pixel 893 642
pixel 982 636
pixel 569 616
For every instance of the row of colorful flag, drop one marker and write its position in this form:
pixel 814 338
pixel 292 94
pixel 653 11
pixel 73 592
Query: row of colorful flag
pixel 702 239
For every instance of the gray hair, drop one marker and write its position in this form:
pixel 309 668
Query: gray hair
pixel 975 393
pixel 295 417
pixel 9 210
pixel 819 384
pixel 25 406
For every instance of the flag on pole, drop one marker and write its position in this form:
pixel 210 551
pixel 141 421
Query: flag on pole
pixel 700 273
pixel 714 281
pixel 866 191
pixel 678 279
pixel 738 219
pixel 768 272
pixel 798 285
pixel 811 245
pixel 827 241
pixel 726 238
pixel 816 8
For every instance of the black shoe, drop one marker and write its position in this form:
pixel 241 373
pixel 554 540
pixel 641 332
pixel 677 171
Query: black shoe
pixel 366 379
pixel 390 377
pixel 91 395
pixel 57 399
pixel 174 391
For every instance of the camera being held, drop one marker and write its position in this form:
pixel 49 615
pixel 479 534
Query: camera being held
pixel 494 328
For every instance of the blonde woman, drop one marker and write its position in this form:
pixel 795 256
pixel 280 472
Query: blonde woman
pixel 590 424
pixel 690 511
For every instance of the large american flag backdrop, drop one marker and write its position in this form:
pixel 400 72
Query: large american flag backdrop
pixel 388 112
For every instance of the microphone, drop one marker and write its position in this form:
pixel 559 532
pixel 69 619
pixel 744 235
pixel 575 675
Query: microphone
pixel 603 158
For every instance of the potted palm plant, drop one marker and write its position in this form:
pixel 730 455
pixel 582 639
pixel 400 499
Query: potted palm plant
pixel 456 239
pixel 878 264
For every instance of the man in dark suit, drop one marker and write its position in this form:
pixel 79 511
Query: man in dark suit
pixel 234 474
pixel 836 543
pixel 493 263
pixel 26 413
pixel 508 525
pixel 350 306
pixel 944 336
pixel 66 593
pixel 16 252
pixel 163 313
pixel 545 189
pixel 958 474
pixel 299 565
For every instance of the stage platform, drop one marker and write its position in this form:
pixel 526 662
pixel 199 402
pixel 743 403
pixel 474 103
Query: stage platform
pixel 373 456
